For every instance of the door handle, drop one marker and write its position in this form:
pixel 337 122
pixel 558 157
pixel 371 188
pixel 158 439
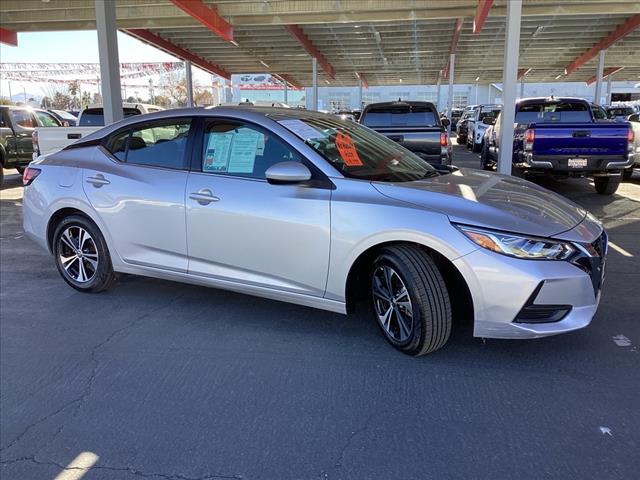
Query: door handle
pixel 203 197
pixel 98 180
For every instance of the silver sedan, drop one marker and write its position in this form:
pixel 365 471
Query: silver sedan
pixel 306 208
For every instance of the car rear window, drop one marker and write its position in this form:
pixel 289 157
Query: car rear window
pixel 401 115
pixel 95 116
pixel 553 112
pixel 620 112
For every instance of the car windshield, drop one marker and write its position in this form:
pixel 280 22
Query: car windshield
pixel 65 115
pixel 358 152
pixel 554 112
pixel 401 115
pixel 620 112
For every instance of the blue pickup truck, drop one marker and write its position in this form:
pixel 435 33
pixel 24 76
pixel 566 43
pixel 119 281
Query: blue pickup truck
pixel 563 137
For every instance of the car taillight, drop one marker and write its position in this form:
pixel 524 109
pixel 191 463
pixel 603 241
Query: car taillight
pixel 631 136
pixel 530 136
pixel 444 141
pixel 29 175
pixel 34 142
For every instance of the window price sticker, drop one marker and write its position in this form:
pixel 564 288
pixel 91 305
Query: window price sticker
pixel 348 152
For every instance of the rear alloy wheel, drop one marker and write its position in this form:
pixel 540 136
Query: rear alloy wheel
pixel 81 255
pixel 410 300
pixel 607 185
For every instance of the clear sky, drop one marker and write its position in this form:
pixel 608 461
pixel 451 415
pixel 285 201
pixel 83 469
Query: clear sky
pixel 77 47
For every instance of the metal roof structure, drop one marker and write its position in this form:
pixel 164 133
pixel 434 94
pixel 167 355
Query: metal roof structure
pixel 384 42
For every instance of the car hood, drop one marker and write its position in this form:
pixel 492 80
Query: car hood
pixel 485 199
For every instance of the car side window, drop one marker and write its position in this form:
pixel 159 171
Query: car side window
pixel 160 144
pixel 47 120
pixel 242 150
pixel 23 118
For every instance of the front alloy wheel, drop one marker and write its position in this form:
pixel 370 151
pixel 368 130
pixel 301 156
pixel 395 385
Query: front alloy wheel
pixel 392 303
pixel 410 299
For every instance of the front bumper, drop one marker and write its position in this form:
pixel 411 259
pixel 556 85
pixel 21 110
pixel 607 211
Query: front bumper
pixel 502 286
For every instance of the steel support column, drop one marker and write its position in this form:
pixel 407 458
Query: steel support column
pixel 286 92
pixel 359 94
pixel 314 96
pixel 598 96
pixel 609 81
pixel 522 88
pixel 509 84
pixel 189 81
pixel 452 69
pixel 109 61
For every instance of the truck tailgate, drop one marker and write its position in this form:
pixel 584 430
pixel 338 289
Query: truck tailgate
pixel 424 141
pixel 580 139
pixel 53 139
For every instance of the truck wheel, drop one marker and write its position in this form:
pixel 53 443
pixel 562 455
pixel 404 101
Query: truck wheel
pixel 627 174
pixel 607 185
pixel 410 300
pixel 484 158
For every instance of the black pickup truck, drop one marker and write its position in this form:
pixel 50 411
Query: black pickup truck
pixel 414 125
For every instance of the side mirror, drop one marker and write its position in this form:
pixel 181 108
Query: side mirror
pixel 65 123
pixel 489 120
pixel 445 122
pixel 635 117
pixel 287 172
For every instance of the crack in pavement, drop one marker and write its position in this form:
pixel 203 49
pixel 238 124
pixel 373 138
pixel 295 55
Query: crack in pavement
pixel 86 391
pixel 339 462
pixel 130 470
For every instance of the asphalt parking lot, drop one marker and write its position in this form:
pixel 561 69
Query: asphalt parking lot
pixel 170 381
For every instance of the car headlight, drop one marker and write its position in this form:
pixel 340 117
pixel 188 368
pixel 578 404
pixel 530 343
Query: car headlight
pixel 519 246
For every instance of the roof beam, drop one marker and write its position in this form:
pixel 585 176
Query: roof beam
pixel 363 79
pixel 173 49
pixel 288 79
pixel 622 31
pixel 299 35
pixel 607 72
pixel 482 12
pixel 523 72
pixel 8 37
pixel 453 46
pixel 207 16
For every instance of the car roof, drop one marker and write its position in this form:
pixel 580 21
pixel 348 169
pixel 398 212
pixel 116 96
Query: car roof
pixel 248 113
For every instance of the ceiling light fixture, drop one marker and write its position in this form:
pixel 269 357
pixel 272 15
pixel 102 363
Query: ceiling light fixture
pixel 233 42
pixel 537 32
pixel 477 78
pixel 558 77
pixel 263 63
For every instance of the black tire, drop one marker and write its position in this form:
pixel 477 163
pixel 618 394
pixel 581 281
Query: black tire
pixel 429 304
pixel 627 173
pixel 102 276
pixel 484 158
pixel 607 185
pixel 477 148
pixel 1 175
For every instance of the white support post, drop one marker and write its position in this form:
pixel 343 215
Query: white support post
pixel 359 107
pixel 109 61
pixel 228 91
pixel 439 84
pixel 598 96
pixel 189 80
pixel 522 88
pixel 609 86
pixel 314 97
pixel 509 85
pixel 452 61
pixel 286 92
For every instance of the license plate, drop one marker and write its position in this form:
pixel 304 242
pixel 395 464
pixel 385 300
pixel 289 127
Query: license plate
pixel 577 162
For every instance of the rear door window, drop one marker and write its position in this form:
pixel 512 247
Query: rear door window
pixel 401 115
pixel 23 118
pixel 95 116
pixel 555 112
pixel 158 144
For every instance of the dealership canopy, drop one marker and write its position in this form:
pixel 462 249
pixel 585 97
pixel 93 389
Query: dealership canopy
pixel 382 42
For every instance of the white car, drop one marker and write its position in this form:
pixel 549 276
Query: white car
pixel 476 127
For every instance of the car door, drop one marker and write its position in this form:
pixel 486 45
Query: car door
pixel 136 184
pixel 244 229
pixel 19 144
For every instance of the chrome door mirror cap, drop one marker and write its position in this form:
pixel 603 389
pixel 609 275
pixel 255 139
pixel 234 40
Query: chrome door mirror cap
pixel 288 172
